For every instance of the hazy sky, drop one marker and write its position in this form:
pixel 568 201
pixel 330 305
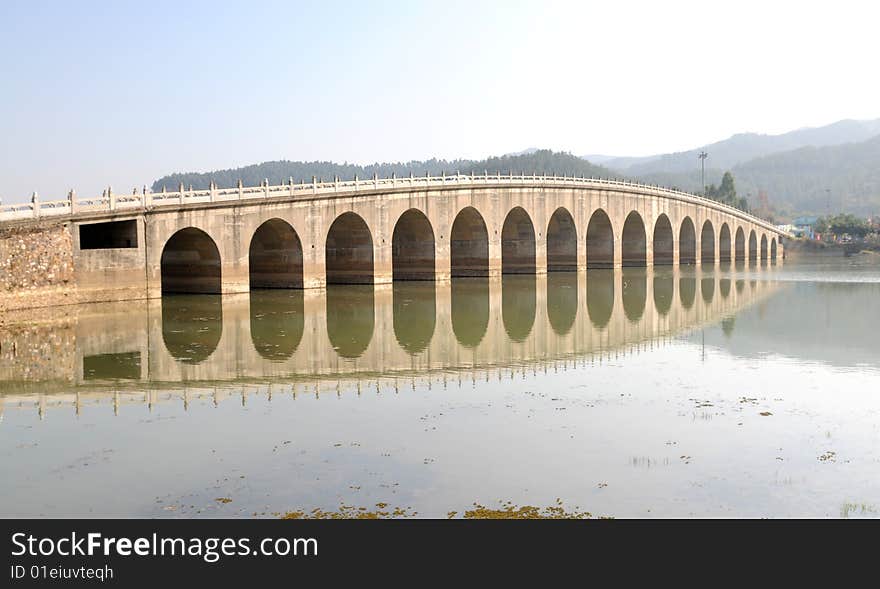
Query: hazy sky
pixel 121 93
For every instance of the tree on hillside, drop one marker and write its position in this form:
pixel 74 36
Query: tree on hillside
pixel 726 193
pixel 843 224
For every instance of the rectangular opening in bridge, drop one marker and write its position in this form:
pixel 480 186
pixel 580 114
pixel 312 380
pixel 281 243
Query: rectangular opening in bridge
pixel 122 366
pixel 110 235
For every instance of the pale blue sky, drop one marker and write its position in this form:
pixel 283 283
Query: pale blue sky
pixel 120 93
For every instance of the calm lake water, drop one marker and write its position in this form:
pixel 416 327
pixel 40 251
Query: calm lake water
pixel 635 393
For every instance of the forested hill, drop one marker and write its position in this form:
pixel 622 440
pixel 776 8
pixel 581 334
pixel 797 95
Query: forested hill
pixel 278 172
pixel 808 180
pixel 743 147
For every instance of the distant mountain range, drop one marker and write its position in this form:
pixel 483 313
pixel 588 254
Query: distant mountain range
pixel 833 169
pixel 527 162
pixel 814 170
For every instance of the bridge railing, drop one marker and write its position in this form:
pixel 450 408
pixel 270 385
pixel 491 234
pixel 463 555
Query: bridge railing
pixel 147 200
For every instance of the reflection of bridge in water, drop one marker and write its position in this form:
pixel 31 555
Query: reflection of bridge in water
pixel 358 337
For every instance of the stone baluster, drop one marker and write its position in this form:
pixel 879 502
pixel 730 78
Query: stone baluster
pixel 35 203
pixel 111 199
pixel 357 183
pixel 266 187
pixel 240 189
pixel 375 180
pixel 314 185
pixel 181 193
pixel 71 200
pixel 290 185
pixel 213 188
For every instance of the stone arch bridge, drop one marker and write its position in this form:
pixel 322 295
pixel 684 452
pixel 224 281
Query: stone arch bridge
pixel 303 235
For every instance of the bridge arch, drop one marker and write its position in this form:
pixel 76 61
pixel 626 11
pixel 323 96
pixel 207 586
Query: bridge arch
pixel 773 249
pixel 190 263
pixel 275 256
pixel 724 243
pixel 740 246
pixel 600 241
pixel 412 247
pixel 561 242
pixel 634 241
pixel 753 246
pixel 469 244
pixel 349 251
pixel 663 242
pixel 707 243
pixel 687 242
pixel 518 243
pixel 764 247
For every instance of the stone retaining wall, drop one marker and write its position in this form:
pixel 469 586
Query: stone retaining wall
pixel 36 266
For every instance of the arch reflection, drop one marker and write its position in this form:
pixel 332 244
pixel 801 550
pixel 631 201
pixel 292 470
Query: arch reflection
pixel 634 291
pixel 600 296
pixel 562 300
pixel 687 291
pixel 277 322
pixel 350 318
pixel 192 326
pixel 707 289
pixel 415 314
pixel 469 306
pixel 519 302
pixel 664 290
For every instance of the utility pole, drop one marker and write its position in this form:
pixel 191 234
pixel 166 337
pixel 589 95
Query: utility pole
pixel 703 155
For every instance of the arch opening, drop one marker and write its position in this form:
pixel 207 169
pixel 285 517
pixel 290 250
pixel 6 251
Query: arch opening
pixel 561 242
pixel 773 249
pixel 763 248
pixel 724 243
pixel 349 251
pixel 634 246
pixel 412 247
pixel 753 246
pixel 740 245
pixel 518 243
pixel 469 244
pixel 687 242
pixel 190 263
pixel 275 256
pixel 663 242
pixel 600 241
pixel 707 244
